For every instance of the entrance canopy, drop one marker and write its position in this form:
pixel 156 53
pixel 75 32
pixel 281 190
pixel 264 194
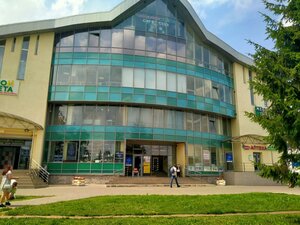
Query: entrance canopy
pixel 16 122
pixel 249 139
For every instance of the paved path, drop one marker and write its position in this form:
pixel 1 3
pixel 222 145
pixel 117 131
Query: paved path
pixel 68 192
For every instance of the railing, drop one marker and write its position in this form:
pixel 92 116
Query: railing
pixel 38 172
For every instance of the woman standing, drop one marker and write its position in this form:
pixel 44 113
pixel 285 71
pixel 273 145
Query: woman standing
pixel 6 186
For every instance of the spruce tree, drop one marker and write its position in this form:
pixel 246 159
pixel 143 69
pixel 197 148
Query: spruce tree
pixel 277 80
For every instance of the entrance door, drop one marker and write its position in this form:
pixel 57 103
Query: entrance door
pixel 155 164
pixel 24 158
pixel 257 159
pixel 159 166
pixel 137 165
pixel 8 155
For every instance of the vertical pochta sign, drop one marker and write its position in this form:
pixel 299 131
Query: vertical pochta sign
pixel 9 87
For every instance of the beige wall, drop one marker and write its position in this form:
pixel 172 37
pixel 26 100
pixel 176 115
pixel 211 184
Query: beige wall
pixel 268 157
pixel 31 101
pixel 180 157
pixel 242 125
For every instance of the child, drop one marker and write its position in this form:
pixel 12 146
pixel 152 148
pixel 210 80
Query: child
pixel 13 190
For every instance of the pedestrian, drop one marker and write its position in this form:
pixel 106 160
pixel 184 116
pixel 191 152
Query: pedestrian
pixel 173 172
pixel 6 186
pixel 13 190
pixel 178 170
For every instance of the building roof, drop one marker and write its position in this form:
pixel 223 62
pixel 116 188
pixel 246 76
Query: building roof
pixel 109 17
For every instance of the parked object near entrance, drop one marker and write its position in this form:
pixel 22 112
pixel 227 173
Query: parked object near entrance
pixel 136 172
pixel 220 181
pixel 78 181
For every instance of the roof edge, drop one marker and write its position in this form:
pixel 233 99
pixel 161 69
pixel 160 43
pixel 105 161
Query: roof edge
pixel 214 39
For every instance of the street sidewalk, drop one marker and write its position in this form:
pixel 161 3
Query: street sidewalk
pixel 59 193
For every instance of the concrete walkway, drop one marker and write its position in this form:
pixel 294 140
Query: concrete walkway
pixel 68 192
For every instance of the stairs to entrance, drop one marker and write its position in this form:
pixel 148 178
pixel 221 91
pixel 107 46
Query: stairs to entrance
pixel 23 179
pixel 26 181
pixel 159 181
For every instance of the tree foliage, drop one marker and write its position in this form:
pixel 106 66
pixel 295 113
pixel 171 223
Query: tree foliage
pixel 277 80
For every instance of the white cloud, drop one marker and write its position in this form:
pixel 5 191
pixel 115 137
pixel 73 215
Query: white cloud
pixel 67 7
pixel 15 11
pixel 233 10
pixel 208 3
pixel 286 23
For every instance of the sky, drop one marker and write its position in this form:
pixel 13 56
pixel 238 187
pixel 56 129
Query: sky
pixel 233 21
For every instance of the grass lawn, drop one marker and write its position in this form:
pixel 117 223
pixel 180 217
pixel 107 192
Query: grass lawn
pixel 223 220
pixel 166 205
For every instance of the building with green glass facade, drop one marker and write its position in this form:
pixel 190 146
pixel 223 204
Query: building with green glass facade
pixel 133 90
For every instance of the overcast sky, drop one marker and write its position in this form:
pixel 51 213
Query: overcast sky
pixel 233 21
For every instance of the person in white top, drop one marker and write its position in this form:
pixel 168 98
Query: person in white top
pixel 6 186
pixel 173 171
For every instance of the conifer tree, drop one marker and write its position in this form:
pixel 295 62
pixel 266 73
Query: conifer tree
pixel 277 80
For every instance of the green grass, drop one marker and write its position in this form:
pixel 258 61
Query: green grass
pixel 224 220
pixel 166 205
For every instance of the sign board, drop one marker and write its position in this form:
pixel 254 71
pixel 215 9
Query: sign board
pixel 258 110
pixel 206 155
pixel 128 161
pixel 147 160
pixel 255 147
pixel 119 156
pixel 229 157
pixel 9 87
pixel 146 168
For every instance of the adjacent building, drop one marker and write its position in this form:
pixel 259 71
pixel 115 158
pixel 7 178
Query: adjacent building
pixel 133 90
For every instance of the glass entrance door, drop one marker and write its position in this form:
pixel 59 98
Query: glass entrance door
pixel 137 165
pixel 257 159
pixel 9 156
pixel 24 158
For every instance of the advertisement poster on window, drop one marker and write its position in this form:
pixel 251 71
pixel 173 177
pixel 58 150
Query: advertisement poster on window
pixel 71 151
pixel 147 164
pixel 229 157
pixel 128 161
pixel 119 157
pixel 206 159
pixel 206 155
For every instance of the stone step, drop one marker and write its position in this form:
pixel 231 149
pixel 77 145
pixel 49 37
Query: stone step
pixel 25 181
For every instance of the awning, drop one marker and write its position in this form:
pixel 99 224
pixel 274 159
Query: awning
pixel 249 139
pixel 12 121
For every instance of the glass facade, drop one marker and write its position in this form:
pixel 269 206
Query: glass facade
pixel 149 77
pixel 23 59
pixel 2 48
pixel 117 76
pixel 94 115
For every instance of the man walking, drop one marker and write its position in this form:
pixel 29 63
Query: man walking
pixel 173 172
